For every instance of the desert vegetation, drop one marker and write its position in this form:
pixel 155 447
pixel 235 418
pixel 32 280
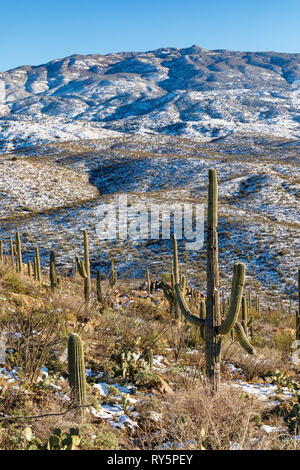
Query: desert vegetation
pixel 99 361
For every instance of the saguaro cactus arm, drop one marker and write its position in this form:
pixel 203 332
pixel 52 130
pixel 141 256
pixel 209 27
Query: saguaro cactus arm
pixel 185 309
pixel 242 338
pixel 81 267
pixel 238 281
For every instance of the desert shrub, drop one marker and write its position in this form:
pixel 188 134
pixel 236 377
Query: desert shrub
pixel 258 365
pixel 282 340
pixel 31 340
pixel 193 418
pixel 100 437
pixel 14 283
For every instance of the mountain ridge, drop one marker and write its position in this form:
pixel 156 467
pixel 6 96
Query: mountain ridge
pixel 190 92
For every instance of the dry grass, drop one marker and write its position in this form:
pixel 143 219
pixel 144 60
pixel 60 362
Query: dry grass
pixel 193 418
pixel 190 418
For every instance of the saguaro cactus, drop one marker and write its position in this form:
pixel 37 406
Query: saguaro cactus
pixel 212 325
pixel 84 268
pixel 170 292
pixel 148 282
pixel 76 368
pixel 52 272
pixel 1 252
pixel 87 283
pixel 38 274
pixel 257 304
pixel 19 253
pixel 298 313
pixel 12 252
pixel 29 268
pixel 112 275
pixel 35 269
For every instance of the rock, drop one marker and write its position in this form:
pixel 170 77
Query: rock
pixel 163 386
pixel 24 303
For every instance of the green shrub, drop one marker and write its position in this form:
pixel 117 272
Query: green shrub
pixel 14 283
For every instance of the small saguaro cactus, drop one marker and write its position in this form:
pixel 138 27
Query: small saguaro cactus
pixel 29 268
pixel 257 304
pixel 52 272
pixel 148 282
pixel 12 251
pixel 84 268
pixel 169 291
pixel 19 253
pixel 37 271
pixel 1 252
pixel 87 282
pixel 112 275
pixel 298 312
pixel 213 327
pixel 76 368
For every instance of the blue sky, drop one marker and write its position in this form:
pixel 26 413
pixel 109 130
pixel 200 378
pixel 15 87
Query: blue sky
pixel 36 31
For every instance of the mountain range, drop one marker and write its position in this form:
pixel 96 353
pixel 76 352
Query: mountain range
pixel 192 92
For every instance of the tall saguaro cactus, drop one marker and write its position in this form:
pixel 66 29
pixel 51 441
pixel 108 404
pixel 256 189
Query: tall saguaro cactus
pixel 19 253
pixel 87 282
pixel 212 340
pixel 170 292
pixel 298 313
pixel 38 274
pixel 29 268
pixel 77 380
pixel 52 272
pixel 12 251
pixel 84 268
pixel 212 327
pixel 112 277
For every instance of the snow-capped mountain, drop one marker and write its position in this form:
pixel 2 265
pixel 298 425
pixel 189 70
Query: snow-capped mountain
pixel 151 124
pixel 190 92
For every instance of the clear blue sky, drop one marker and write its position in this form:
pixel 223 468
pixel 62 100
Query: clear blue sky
pixel 35 31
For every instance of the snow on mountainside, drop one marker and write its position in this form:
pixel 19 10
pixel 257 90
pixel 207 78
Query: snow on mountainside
pixel 189 92
pixel 79 131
